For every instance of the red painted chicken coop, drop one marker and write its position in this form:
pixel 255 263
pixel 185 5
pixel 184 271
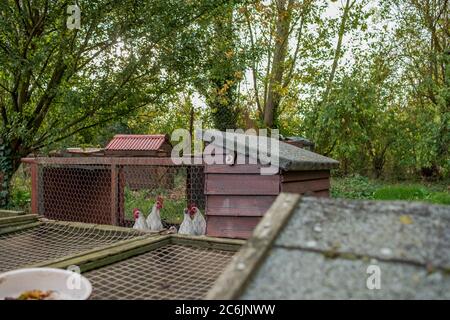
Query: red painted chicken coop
pixel 237 195
pixel 103 186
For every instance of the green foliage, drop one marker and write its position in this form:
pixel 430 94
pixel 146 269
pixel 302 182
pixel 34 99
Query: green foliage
pixel 20 191
pixel 353 187
pixel 57 83
pixel 144 200
pixel 379 103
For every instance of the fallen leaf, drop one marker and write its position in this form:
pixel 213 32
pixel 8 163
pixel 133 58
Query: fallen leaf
pixel 405 219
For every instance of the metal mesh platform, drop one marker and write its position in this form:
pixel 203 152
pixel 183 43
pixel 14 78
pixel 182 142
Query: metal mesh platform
pixel 51 241
pixel 169 272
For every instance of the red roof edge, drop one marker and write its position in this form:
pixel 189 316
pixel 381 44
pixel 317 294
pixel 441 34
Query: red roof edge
pixel 150 142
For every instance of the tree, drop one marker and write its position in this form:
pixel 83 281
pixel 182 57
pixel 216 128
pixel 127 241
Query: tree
pixel 56 82
pixel 221 73
pixel 282 21
pixel 423 32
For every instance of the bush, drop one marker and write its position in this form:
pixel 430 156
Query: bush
pixel 21 190
pixel 401 193
pixel 353 187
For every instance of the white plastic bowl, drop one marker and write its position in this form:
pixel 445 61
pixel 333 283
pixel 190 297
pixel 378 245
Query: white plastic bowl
pixel 63 283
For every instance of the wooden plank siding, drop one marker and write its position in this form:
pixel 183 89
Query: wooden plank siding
pixel 288 176
pixel 306 186
pixel 231 227
pixel 315 183
pixel 237 196
pixel 231 205
pixel 242 184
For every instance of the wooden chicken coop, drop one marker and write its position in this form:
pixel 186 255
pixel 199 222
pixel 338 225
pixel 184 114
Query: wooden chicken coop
pixel 103 186
pixel 238 195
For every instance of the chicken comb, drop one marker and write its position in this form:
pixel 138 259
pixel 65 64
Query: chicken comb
pixel 160 199
pixel 191 206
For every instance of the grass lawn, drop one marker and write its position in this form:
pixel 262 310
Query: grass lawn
pixel 359 187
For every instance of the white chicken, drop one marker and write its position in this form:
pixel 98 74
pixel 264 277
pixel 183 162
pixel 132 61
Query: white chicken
pixel 198 221
pixel 154 218
pixel 139 220
pixel 186 227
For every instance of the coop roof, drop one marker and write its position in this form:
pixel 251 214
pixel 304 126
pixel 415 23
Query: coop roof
pixel 132 142
pixel 322 249
pixel 304 141
pixel 291 158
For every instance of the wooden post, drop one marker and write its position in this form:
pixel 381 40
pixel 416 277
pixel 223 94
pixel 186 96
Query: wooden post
pixel 114 193
pixel 34 188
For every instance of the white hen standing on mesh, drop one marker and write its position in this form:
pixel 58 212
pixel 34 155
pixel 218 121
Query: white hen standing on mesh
pixel 154 218
pixel 198 221
pixel 186 227
pixel 139 220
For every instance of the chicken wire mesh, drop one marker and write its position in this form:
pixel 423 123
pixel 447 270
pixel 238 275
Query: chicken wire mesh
pixel 51 240
pixel 107 194
pixel 75 193
pixel 170 272
pixel 179 186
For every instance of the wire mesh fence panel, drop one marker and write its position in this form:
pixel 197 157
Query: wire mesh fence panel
pixel 106 193
pixel 79 193
pixel 177 185
pixel 51 241
pixel 169 272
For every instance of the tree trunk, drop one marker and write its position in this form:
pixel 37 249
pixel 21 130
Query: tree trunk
pixel 319 136
pixel 222 101
pixel 278 63
pixel 337 52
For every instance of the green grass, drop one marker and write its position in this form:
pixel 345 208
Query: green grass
pixel 440 197
pixel 401 193
pixel 359 187
pixel 143 199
